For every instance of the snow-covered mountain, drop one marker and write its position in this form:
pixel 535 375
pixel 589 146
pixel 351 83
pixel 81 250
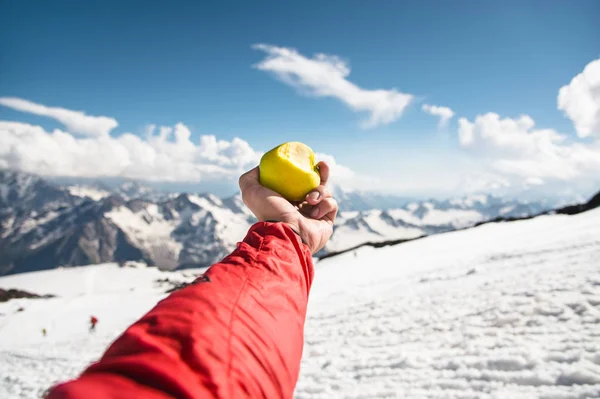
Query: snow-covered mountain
pixel 22 192
pixel 128 190
pixel 364 201
pixel 43 225
pixel 187 231
pixel 424 218
pixel 504 310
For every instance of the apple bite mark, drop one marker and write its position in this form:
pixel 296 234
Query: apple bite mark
pixel 289 169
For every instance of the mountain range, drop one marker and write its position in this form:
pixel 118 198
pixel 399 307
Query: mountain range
pixel 45 225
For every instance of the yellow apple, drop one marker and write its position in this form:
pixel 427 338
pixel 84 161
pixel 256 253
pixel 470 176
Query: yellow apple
pixel 290 170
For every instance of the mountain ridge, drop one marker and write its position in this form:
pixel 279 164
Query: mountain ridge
pixel 43 225
pixel 576 209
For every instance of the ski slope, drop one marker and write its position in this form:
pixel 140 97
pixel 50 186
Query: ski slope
pixel 509 310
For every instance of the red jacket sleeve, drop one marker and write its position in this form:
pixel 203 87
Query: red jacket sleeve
pixel 237 332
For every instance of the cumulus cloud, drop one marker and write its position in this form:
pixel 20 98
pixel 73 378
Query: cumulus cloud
pixel 444 113
pixel 326 76
pixel 516 148
pixel 340 173
pixel 163 154
pixel 580 100
pixel 74 121
pixel 493 135
pixel 533 157
pixel 166 154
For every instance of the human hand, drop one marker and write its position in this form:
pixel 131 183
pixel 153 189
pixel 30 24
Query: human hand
pixel 312 218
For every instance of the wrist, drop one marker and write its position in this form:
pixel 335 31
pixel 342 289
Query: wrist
pixel 298 226
pixel 295 225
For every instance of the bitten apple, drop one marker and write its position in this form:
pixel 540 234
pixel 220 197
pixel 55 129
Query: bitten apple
pixel 290 170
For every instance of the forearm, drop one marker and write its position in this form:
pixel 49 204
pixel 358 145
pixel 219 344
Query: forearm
pixel 236 333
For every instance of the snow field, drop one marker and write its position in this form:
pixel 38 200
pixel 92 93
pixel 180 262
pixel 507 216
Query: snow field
pixel 501 311
pixel 509 310
pixel 30 362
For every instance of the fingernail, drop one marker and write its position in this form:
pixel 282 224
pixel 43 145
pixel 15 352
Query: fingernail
pixel 314 195
pixel 314 213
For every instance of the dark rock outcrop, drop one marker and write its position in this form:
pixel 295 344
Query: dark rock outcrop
pixel 7 295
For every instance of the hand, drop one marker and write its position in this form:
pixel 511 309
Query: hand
pixel 312 218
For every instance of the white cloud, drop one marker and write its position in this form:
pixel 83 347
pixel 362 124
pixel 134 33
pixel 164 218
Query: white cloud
pixel 168 156
pixel 74 121
pixel 580 100
pixel 326 76
pixel 531 157
pixel 165 154
pixel 534 181
pixel 444 113
pixel 341 174
pixel 495 136
pixel 514 147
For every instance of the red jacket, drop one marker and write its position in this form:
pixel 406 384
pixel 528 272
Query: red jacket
pixel 235 333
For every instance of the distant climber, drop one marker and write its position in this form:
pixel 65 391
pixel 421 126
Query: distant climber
pixel 93 322
pixel 44 332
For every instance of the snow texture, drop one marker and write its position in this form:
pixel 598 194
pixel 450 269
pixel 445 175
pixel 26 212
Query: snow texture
pixel 117 296
pixel 88 192
pixel 506 310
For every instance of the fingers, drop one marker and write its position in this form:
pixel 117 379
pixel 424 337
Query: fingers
pixel 250 178
pixel 324 172
pixel 327 207
pixel 317 195
pixel 319 203
pixel 249 185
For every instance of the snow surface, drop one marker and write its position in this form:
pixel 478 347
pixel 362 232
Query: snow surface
pixel 89 192
pixel 35 221
pixel 30 362
pixel 412 206
pixel 508 310
pixel 232 227
pixel 149 229
pixel 368 226
pixel 425 218
pixel 470 200
pixel 500 311
pixel 6 226
pixel 506 209
pixel 455 217
pixel 406 216
pixel 473 199
pixel 354 228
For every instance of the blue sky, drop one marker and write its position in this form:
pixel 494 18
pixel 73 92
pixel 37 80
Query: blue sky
pixel 194 63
